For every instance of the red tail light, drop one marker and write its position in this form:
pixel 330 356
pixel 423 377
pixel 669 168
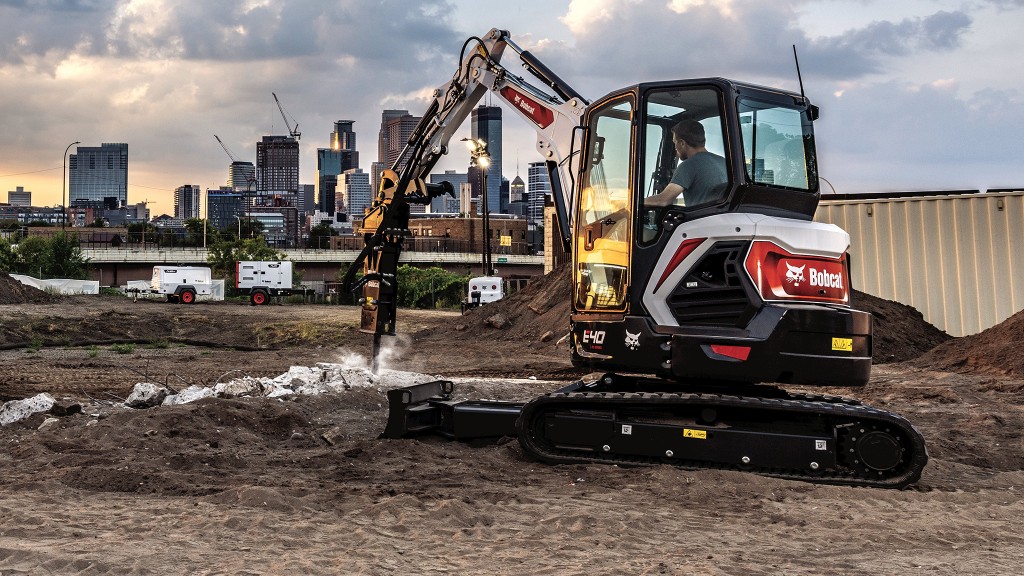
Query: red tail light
pixel 684 250
pixel 780 275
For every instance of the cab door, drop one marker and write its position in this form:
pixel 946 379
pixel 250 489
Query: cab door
pixel 605 211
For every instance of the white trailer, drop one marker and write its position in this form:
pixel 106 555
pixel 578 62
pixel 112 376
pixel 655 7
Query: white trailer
pixel 266 279
pixel 181 283
pixel 482 290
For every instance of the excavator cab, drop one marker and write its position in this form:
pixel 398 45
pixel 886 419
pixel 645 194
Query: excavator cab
pixel 730 280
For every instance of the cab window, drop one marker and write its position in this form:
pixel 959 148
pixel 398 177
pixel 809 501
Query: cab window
pixel 605 211
pixel 778 145
pixel 684 163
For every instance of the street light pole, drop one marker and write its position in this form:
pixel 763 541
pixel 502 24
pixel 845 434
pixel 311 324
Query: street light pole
pixel 64 189
pixel 480 158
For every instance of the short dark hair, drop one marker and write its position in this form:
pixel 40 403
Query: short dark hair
pixel 690 131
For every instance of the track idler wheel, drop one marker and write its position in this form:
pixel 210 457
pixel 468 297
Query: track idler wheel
pixel 873 450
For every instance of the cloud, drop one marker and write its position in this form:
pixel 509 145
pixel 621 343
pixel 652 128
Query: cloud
pixel 919 136
pixel 231 31
pixel 748 38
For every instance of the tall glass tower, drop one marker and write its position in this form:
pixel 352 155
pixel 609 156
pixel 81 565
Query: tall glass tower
pixel 486 126
pixel 98 175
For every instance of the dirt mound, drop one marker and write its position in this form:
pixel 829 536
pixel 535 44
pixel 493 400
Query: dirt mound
pixel 14 292
pixel 542 308
pixel 993 351
pixel 901 332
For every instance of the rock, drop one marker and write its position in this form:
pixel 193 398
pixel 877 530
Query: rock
pixel 146 395
pixel 499 321
pixel 17 410
pixel 334 436
pixel 239 388
pixel 49 423
pixel 547 336
pixel 65 407
pixel 190 394
pixel 460 327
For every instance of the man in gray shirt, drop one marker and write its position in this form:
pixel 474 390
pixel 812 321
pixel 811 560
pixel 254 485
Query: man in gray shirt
pixel 697 175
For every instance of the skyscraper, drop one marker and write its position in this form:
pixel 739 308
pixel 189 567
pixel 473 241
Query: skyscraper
pixel 277 166
pixel 486 126
pixel 354 194
pixel 330 162
pixel 242 176
pixel 396 126
pixel 186 201
pixel 538 187
pixel 99 176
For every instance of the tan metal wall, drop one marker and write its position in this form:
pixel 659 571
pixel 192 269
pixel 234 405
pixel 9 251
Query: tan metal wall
pixel 958 259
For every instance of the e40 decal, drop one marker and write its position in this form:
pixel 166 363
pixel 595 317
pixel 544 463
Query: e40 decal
pixel 842 344
pixel 698 434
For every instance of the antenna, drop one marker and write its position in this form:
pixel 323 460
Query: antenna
pixel 798 77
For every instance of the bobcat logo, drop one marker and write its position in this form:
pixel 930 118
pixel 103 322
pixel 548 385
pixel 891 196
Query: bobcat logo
pixel 795 275
pixel 632 340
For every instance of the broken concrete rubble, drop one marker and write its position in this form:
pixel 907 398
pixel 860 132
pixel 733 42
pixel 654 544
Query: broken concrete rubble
pixel 146 395
pixel 17 410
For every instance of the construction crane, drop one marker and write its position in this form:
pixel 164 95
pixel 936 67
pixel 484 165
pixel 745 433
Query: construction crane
pixel 294 132
pixel 225 147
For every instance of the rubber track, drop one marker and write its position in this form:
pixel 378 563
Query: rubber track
pixel 839 410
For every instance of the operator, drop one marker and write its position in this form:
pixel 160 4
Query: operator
pixel 697 175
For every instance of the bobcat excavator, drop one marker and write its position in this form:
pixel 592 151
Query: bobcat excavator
pixel 690 307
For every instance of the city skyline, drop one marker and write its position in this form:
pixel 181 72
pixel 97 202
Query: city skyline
pixel 914 95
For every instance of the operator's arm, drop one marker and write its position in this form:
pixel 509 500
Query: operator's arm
pixel 666 197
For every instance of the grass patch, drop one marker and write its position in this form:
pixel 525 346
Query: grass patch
pixel 159 344
pixel 92 351
pixel 123 348
pixel 34 345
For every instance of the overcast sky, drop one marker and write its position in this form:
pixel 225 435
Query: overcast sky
pixel 914 95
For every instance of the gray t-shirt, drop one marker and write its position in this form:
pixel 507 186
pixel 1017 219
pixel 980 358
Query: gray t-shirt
pixel 698 175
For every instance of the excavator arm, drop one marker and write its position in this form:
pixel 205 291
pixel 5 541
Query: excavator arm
pixel 555 118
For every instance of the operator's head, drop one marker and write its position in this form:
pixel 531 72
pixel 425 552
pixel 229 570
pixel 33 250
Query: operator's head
pixel 688 136
pixel 689 131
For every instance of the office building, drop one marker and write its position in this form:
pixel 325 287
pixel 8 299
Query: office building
pixel 486 126
pixel 330 162
pixel 186 201
pixel 242 176
pixel 354 193
pixel 538 188
pixel 19 197
pixel 224 206
pixel 396 126
pixel 99 174
pixel 277 167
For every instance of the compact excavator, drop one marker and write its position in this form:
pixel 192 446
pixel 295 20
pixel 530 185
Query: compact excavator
pixel 693 309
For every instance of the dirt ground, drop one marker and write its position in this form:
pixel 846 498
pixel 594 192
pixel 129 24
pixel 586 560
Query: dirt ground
pixel 304 485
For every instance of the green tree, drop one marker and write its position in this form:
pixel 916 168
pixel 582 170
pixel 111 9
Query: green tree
pixel 8 257
pixel 194 232
pixel 57 256
pixel 33 257
pixel 432 287
pixel 320 236
pixel 66 259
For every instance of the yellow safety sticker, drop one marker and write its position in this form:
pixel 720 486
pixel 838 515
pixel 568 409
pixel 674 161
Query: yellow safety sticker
pixel 842 344
pixel 698 434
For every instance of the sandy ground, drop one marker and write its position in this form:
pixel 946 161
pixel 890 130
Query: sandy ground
pixel 304 486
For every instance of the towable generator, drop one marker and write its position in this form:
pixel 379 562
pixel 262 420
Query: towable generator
pixel 691 302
